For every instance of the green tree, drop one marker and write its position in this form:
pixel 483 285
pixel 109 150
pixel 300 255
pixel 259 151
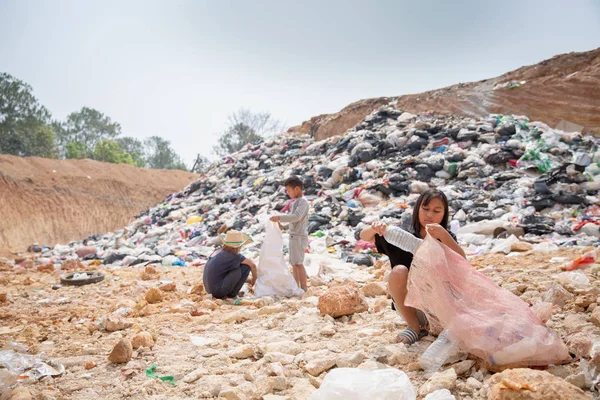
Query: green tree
pixel 75 150
pixel 135 148
pixel 160 155
pixel 110 151
pixel 86 127
pixel 246 127
pixel 23 121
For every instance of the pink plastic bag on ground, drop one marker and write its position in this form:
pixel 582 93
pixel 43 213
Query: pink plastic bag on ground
pixel 481 317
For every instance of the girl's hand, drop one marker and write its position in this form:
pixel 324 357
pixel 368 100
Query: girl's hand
pixel 379 227
pixel 437 231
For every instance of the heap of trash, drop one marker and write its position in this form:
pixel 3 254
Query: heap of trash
pixel 511 184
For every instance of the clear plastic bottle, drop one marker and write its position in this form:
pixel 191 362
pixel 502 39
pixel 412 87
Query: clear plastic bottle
pixel 437 354
pixel 402 239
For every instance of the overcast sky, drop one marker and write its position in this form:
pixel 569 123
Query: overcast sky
pixel 178 68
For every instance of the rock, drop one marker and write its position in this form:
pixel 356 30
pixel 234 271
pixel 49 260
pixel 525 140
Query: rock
pixel 208 304
pixel 195 375
pixel 147 277
pixel 302 390
pixel 275 397
pixel 521 246
pixel 168 287
pixel 400 355
pixel 122 352
pixel 286 347
pixel 463 367
pixel 585 300
pixel 596 316
pixel 232 394
pixel 18 393
pixel 153 295
pixel 242 352
pixel 282 358
pixel 3 297
pixel 439 380
pixel 342 300
pixel 85 251
pixel 578 380
pixel 198 289
pixel 350 360
pixel 89 365
pixel 525 383
pixel 317 366
pixel 442 394
pixel 280 383
pixel 579 343
pixel 142 339
pixel 46 268
pixel 115 323
pixel 72 265
pixel 473 384
pixel 151 269
pixel 275 369
pixel 374 289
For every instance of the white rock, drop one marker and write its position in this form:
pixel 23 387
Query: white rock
pixel 473 384
pixel 242 352
pixel 287 347
pixel 442 394
pixel 195 375
pixel 350 360
pixel 282 358
pixel 317 366
pixel 439 380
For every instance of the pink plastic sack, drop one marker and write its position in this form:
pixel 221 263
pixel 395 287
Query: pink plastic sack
pixel 481 317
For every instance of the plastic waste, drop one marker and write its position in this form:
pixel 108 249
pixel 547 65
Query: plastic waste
pixel 355 384
pixel 586 259
pixel 482 318
pixel 402 239
pixel 274 277
pixel 150 373
pixel 438 354
pixel 575 279
pixel 441 394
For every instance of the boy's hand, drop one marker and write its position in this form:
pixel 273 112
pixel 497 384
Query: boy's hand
pixel 275 218
pixel 252 281
pixel 437 231
pixel 379 227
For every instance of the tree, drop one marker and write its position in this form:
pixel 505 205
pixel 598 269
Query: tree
pixel 110 151
pixel 86 127
pixel 23 121
pixel 160 155
pixel 246 127
pixel 75 150
pixel 135 148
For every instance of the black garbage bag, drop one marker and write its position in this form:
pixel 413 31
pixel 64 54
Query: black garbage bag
pixel 360 259
pixel 537 224
pixel 355 218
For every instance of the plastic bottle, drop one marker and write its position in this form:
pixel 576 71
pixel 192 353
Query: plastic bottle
pixel 402 239
pixel 437 354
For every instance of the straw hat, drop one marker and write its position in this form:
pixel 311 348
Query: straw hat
pixel 235 238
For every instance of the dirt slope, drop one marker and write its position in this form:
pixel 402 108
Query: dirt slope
pixel 565 87
pixel 55 201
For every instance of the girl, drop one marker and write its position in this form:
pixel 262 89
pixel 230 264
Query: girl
pixel 430 216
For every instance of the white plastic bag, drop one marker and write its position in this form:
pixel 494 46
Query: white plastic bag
pixel 274 277
pixel 358 384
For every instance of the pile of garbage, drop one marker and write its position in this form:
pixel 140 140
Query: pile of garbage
pixel 512 185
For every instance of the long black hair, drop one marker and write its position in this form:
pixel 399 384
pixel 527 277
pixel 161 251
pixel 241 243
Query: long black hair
pixel 424 199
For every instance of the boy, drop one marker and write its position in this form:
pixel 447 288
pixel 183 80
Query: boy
pixel 298 228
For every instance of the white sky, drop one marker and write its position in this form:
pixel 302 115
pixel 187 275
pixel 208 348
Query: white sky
pixel 178 68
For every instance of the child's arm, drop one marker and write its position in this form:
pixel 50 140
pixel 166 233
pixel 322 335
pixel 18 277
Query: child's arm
pixel 253 269
pixel 438 232
pixel 299 213
pixel 368 234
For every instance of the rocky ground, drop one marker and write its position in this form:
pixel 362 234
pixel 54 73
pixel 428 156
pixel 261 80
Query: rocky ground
pixel 269 348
